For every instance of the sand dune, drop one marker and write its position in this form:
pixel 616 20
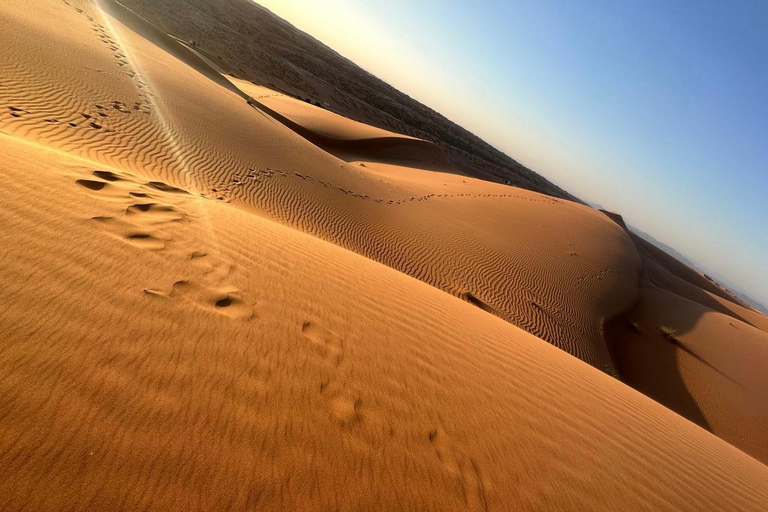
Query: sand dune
pixel 158 362
pixel 672 275
pixel 683 271
pixel 254 43
pixel 211 304
pixel 170 122
pixel 349 140
pixel 711 368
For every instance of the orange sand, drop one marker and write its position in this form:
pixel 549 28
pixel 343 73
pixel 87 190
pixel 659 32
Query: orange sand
pixel 217 299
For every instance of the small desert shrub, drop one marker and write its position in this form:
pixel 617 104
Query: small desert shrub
pixel 668 332
pixel 610 370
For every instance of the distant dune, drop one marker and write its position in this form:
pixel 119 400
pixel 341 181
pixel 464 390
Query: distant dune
pixel 687 345
pixel 220 297
pixel 735 294
pixel 250 41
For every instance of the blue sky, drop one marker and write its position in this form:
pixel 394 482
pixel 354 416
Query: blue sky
pixel 657 110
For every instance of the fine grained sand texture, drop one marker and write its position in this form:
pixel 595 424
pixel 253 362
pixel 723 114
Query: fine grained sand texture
pixel 140 109
pixel 221 300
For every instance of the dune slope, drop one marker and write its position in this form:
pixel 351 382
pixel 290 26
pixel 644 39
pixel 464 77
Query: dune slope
pixel 250 40
pixel 152 360
pixel 205 310
pixel 346 139
pixel 107 93
pixel 697 353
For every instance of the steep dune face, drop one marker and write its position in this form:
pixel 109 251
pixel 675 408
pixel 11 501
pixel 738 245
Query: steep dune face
pixel 257 43
pixel 670 274
pixel 663 278
pixel 139 108
pixel 203 310
pixel 163 41
pixel 710 370
pixel 349 140
pixel 682 271
pixel 697 353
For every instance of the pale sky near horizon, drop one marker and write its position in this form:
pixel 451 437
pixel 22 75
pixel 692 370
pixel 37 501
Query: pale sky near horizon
pixel 657 110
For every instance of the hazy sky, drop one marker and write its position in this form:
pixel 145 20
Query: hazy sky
pixel 655 109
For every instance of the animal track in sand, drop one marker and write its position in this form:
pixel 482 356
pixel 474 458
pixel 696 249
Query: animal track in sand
pixel 98 120
pixel 597 276
pixel 122 61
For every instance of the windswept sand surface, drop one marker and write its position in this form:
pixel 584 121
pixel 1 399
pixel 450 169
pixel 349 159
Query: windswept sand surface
pixel 138 108
pixel 217 297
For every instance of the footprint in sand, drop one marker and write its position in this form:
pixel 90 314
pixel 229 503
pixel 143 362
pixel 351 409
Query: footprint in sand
pixel 17 112
pixel 344 408
pixel 324 342
pixel 164 187
pixel 344 403
pixel 144 224
pixel 146 241
pixel 107 175
pixel 133 229
pixel 92 184
pixel 226 301
pixel 463 468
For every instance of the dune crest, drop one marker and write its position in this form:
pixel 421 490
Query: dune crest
pixel 697 352
pixel 217 305
pixel 461 235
